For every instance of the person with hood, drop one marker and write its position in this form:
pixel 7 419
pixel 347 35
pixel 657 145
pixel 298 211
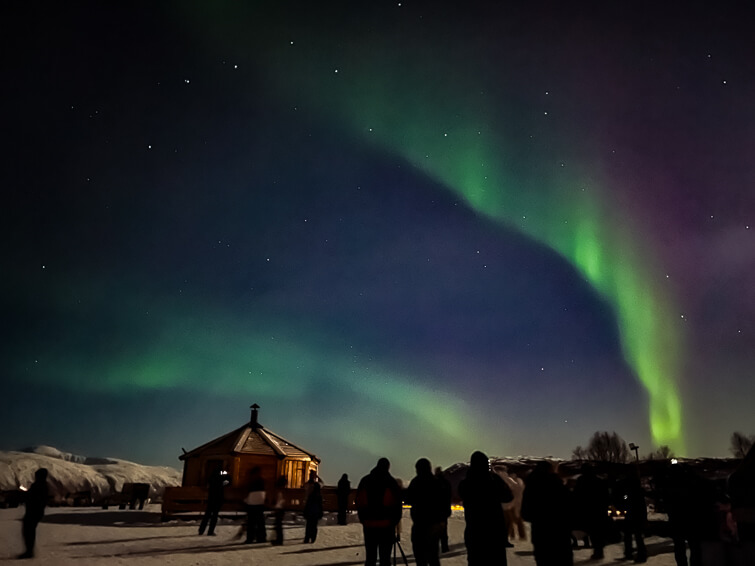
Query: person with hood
pixel 343 492
pixel 379 509
pixel 546 504
pixel 429 513
pixel 483 492
pixel 35 501
pixel 313 507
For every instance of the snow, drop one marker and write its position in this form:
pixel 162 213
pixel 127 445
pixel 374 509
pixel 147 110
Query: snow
pixel 69 473
pixel 97 537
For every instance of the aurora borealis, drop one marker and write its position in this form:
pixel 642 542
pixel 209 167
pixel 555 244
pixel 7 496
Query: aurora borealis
pixel 409 229
pixel 565 213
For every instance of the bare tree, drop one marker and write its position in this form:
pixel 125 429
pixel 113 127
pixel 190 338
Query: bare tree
pixel 579 453
pixel 662 453
pixel 608 447
pixel 740 444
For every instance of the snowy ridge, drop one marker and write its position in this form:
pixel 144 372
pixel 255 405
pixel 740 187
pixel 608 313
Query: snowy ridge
pixel 70 473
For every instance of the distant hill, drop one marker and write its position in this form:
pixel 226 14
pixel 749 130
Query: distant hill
pixel 71 473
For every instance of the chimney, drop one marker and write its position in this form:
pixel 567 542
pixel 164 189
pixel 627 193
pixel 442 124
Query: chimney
pixel 254 409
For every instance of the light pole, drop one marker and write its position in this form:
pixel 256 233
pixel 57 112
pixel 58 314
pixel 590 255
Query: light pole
pixel 633 446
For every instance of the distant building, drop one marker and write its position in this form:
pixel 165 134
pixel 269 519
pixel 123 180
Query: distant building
pixel 244 448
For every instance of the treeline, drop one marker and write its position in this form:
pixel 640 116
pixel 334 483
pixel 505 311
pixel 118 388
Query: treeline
pixel 610 447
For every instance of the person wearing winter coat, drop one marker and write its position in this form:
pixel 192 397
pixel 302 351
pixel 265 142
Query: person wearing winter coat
pixel 546 504
pixel 513 509
pixel 35 502
pixel 426 495
pixel 313 508
pixel 278 503
pixel 255 508
pixel 592 499
pixel 215 497
pixel 447 498
pixel 343 493
pixel 379 507
pixel 636 516
pixel 483 492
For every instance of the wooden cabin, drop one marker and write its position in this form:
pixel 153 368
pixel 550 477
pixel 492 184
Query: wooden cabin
pixel 249 446
pixel 244 448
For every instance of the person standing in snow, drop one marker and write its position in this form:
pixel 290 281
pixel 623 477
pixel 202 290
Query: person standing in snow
pixel 35 501
pixel 546 504
pixel 313 507
pixel 255 508
pixel 447 503
pixel 482 493
pixel 278 503
pixel 633 502
pixel 512 510
pixel 379 509
pixel 592 500
pixel 215 497
pixel 343 492
pixel 427 499
pixel 516 526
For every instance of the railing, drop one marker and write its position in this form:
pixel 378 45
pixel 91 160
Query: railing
pixel 193 500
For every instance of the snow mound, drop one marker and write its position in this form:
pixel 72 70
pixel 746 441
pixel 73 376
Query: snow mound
pixel 70 474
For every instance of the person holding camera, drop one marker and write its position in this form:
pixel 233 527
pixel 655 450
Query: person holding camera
pixel 379 507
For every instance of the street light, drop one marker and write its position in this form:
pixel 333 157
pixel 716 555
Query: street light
pixel 633 446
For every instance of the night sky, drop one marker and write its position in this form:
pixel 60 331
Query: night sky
pixel 404 229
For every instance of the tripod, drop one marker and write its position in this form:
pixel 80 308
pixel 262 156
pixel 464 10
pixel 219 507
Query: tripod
pixel 397 544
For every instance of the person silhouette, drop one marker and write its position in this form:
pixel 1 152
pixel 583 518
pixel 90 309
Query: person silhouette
pixel 592 500
pixel 546 504
pixel 447 502
pixel 278 503
pixel 633 503
pixel 313 507
pixel 483 492
pixel 255 508
pixel 427 499
pixel 35 501
pixel 343 492
pixel 215 498
pixel 512 510
pixel 379 510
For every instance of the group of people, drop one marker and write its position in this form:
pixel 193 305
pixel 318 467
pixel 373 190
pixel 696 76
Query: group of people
pixel 379 503
pixel 497 503
pixel 258 500
pixel 715 527
pixel 718 529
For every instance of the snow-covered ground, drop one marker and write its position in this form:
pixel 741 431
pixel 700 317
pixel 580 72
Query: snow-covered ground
pixel 97 537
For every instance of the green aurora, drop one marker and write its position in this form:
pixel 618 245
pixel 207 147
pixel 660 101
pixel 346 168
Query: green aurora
pixel 456 133
pixel 453 132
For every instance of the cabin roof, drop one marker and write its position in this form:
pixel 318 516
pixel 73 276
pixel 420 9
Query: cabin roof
pixel 252 439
